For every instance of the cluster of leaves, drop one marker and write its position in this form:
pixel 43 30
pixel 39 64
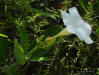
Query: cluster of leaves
pixel 24 27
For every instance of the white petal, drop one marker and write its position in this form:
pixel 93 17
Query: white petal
pixel 81 33
pixel 82 24
pixel 70 29
pixel 65 17
pixel 74 13
pixel 87 27
pixel 88 40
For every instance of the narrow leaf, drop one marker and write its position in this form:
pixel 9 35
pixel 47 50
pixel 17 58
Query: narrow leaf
pixel 24 39
pixel 2 35
pixel 40 59
pixel 43 13
pixel 84 4
pixel 3 48
pixel 19 53
pixel 52 31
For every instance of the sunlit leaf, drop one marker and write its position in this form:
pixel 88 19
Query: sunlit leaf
pixel 40 59
pixel 2 35
pixel 19 53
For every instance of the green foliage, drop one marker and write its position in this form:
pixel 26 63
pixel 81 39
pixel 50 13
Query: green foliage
pixel 41 49
pixel 97 31
pixel 52 31
pixel 96 7
pixel 24 39
pixel 2 35
pixel 19 53
pixel 40 59
pixel 8 72
pixel 84 4
pixel 43 13
pixel 97 2
pixel 3 48
pixel 12 70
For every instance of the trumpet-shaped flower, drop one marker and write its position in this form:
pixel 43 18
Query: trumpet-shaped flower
pixel 76 25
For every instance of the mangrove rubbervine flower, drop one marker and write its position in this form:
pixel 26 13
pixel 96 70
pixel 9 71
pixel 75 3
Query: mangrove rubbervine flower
pixel 76 25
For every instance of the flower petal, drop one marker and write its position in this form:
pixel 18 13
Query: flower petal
pixel 87 27
pixel 65 17
pixel 88 40
pixel 82 35
pixel 74 13
pixel 76 25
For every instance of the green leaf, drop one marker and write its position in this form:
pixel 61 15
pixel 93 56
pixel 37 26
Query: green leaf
pixel 12 69
pixel 97 1
pixel 33 44
pixel 97 31
pixel 41 50
pixel 41 39
pixel 2 35
pixel 3 48
pixel 24 39
pixel 40 59
pixel 32 1
pixel 52 31
pixel 11 72
pixel 43 13
pixel 19 53
pixel 36 52
pixel 84 4
pixel 96 7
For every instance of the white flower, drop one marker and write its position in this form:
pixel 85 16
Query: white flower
pixel 76 25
